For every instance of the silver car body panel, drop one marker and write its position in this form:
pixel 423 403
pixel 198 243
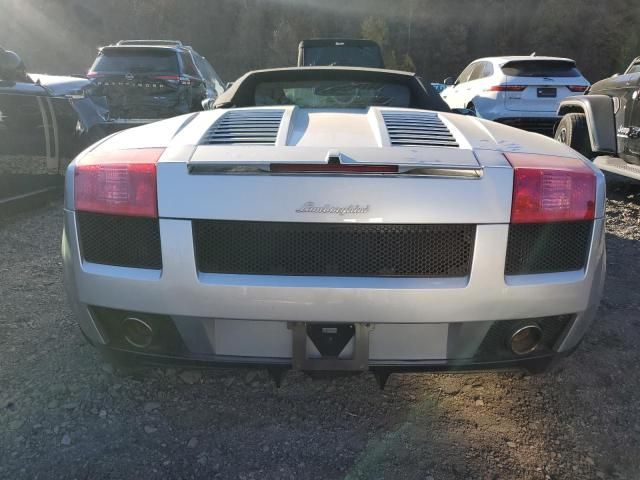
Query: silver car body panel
pixel 412 319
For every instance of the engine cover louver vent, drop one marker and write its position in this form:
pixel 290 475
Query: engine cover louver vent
pixel 245 127
pixel 411 129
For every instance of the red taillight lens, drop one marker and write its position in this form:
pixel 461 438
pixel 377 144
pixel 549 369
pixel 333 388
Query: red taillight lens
pixel 506 88
pixel 120 182
pixel 551 189
pixel 577 88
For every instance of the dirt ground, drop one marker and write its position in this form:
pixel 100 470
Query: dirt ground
pixel 65 414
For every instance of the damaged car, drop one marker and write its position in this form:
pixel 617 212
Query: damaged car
pixel 45 116
pixel 142 81
pixel 334 219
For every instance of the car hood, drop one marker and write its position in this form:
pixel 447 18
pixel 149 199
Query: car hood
pixel 46 85
pixel 60 85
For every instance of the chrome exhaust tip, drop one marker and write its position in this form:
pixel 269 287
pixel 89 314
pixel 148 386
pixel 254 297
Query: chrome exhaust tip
pixel 136 332
pixel 525 339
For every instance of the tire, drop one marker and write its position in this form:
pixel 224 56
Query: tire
pixel 472 107
pixel 574 132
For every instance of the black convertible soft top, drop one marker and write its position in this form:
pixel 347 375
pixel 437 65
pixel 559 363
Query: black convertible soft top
pixel 242 92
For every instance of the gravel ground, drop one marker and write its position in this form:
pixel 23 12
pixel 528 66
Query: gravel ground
pixel 28 164
pixel 64 414
pixel 22 164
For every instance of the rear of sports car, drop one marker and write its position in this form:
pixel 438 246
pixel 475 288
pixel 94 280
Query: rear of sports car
pixel 379 239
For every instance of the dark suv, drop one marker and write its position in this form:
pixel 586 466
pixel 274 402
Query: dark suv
pixel 604 124
pixel 145 80
pixel 339 51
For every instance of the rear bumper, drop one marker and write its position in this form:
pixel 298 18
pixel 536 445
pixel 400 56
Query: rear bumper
pixel 532 364
pixel 425 324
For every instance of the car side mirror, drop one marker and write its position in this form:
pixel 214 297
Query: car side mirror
pixel 449 81
pixel 464 111
pixel 615 75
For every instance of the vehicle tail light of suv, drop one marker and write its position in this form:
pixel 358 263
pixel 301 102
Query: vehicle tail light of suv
pixel 577 88
pixel 506 88
pixel 181 80
pixel 118 183
pixel 551 189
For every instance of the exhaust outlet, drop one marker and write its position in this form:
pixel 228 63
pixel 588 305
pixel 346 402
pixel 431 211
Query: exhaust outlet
pixel 525 339
pixel 136 332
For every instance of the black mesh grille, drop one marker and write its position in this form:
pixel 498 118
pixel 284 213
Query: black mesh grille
pixel 120 241
pixel 547 248
pixel 268 248
pixel 495 346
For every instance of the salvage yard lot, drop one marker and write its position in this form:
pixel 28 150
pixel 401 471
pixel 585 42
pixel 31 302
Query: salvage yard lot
pixel 64 414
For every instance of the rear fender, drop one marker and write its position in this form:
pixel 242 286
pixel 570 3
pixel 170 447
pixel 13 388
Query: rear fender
pixel 600 119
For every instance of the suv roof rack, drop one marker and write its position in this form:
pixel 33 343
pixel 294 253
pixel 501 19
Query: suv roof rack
pixel 170 43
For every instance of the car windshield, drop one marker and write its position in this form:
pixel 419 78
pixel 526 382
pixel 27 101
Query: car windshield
pixel 332 94
pixel 634 68
pixel 132 61
pixel 346 55
pixel 540 68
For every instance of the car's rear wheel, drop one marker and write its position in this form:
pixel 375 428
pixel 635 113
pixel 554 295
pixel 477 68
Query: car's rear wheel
pixel 574 132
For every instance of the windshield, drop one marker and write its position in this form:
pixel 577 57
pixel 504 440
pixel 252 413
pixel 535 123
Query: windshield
pixel 346 55
pixel 634 68
pixel 125 61
pixel 540 68
pixel 332 94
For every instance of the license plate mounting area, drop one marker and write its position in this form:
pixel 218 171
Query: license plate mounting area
pixel 330 339
pixel 547 92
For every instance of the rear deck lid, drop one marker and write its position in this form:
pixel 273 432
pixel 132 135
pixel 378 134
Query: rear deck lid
pixel 258 137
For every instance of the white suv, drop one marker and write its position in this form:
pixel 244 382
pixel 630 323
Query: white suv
pixel 520 91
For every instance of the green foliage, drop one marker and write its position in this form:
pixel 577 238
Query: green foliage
pixel 437 38
pixel 376 29
pixel 629 49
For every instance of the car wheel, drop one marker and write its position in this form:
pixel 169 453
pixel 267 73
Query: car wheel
pixel 574 132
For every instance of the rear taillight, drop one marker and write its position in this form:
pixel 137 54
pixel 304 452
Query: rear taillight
pixel 94 75
pixel 551 189
pixel 121 182
pixel 577 88
pixel 174 78
pixel 506 88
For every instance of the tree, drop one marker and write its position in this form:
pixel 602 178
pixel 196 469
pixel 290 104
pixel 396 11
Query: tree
pixel 376 29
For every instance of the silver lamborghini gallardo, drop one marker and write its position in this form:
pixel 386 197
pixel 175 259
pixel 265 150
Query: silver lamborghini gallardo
pixel 328 219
